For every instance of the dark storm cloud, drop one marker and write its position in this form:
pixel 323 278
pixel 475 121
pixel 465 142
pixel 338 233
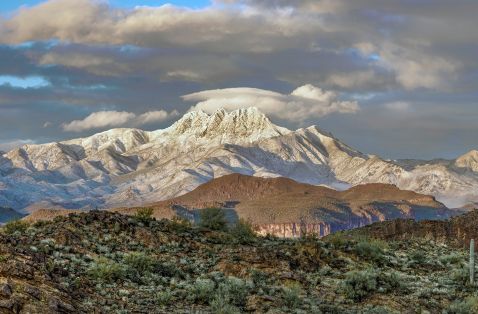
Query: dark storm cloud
pixel 407 63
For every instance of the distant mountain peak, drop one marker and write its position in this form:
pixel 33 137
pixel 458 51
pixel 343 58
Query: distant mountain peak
pixel 241 123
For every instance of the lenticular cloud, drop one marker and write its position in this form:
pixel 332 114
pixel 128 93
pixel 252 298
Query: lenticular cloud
pixel 305 102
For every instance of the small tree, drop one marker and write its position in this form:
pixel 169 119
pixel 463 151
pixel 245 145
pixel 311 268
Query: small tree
pixel 144 215
pixel 243 232
pixel 213 218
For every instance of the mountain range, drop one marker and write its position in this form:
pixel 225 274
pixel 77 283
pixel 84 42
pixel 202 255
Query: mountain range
pixel 129 167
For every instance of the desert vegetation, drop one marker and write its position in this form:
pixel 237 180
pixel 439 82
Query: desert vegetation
pixel 102 261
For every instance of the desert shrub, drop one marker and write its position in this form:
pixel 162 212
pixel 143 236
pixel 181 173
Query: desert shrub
pixel 460 276
pixel 390 282
pixel 469 305
pixel 230 294
pixel 371 251
pixel 165 297
pixel 235 289
pixel 418 257
pixel 220 305
pixel 168 269
pixel 360 284
pixel 260 279
pixel 451 259
pixel 12 227
pixel 243 232
pixel 106 270
pixel 180 224
pixel 338 240
pixel 139 263
pixel 291 296
pixel 203 290
pixel 213 218
pixel 144 215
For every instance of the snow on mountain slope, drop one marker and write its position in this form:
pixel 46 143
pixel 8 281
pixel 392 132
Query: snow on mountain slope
pixel 469 161
pixel 122 167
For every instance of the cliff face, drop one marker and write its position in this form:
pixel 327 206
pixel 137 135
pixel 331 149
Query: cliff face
pixel 294 230
pixel 319 229
pixel 457 231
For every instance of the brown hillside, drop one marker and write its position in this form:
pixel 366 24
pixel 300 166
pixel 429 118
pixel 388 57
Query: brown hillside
pixel 283 206
pixel 237 187
pixel 273 203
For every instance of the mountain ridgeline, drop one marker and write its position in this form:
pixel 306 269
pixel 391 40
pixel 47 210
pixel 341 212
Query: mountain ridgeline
pixel 131 167
pixel 285 208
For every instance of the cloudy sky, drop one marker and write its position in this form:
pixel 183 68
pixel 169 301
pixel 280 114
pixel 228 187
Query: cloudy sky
pixel 398 78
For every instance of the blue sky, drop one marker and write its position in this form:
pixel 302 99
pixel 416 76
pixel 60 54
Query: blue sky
pixel 9 5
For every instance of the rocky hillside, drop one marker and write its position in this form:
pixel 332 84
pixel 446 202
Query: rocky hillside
pixel 130 167
pixel 457 231
pixel 284 207
pixel 103 262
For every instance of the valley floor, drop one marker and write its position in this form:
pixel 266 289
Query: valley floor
pixel 103 262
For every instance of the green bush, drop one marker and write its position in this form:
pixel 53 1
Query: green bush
pixel 467 306
pixel 360 284
pixel 418 257
pixel 220 305
pixel 260 279
pixel 243 232
pixel 144 215
pixel 451 259
pixel 390 282
pixel 15 226
pixel 291 296
pixel 203 290
pixel 233 291
pixel 180 224
pixel 338 240
pixel 107 271
pixel 371 251
pixel 213 218
pixel 460 276
pixel 237 289
pixel 139 263
pixel 165 297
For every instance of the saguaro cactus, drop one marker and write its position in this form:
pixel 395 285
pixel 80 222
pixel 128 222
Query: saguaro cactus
pixel 472 261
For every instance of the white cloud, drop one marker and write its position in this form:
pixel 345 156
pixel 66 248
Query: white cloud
pixel 421 45
pixel 110 119
pixel 305 102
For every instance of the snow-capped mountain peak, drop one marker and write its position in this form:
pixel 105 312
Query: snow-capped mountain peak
pixel 123 167
pixel 242 125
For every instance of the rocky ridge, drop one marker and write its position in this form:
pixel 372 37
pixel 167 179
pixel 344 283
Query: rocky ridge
pixel 105 262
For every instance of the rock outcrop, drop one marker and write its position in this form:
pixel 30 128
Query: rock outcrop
pixel 457 231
